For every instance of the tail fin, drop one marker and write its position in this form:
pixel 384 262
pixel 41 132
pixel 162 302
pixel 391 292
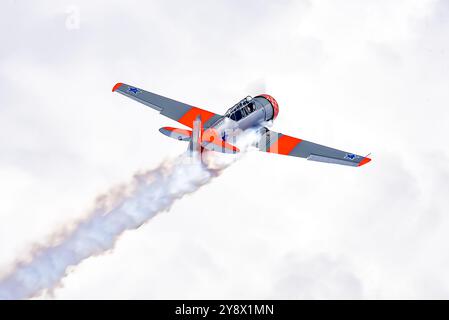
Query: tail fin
pixel 194 148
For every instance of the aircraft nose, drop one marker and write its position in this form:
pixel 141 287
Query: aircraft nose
pixel 273 103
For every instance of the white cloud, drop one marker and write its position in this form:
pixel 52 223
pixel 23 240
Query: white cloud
pixel 368 77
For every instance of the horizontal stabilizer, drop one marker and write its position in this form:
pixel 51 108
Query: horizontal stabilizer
pixel 212 141
pixel 222 147
pixel 175 133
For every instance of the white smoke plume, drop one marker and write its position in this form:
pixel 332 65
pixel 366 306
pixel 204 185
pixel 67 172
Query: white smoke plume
pixel 123 208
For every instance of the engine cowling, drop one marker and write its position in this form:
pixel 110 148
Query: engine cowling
pixel 270 106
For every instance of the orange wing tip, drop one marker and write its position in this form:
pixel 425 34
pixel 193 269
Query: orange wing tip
pixel 117 85
pixel 364 161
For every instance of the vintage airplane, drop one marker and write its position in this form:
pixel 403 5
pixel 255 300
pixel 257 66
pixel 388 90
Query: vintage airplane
pixel 212 131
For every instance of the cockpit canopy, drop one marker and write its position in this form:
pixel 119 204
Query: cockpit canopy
pixel 241 109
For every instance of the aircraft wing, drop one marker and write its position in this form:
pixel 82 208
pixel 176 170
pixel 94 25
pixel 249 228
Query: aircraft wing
pixel 178 111
pixel 279 143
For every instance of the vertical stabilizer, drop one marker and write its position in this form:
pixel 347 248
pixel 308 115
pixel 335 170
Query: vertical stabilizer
pixel 195 143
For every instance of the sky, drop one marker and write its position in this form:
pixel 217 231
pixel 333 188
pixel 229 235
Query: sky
pixel 363 76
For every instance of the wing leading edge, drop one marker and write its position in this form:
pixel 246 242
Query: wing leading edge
pixel 274 142
pixel 178 111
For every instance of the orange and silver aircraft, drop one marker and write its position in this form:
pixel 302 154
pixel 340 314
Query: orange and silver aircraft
pixel 214 132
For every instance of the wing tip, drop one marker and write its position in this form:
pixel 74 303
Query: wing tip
pixel 364 161
pixel 116 86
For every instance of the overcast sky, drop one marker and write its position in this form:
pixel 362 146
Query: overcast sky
pixel 363 76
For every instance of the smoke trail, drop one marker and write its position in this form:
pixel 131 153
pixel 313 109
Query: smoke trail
pixel 128 207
